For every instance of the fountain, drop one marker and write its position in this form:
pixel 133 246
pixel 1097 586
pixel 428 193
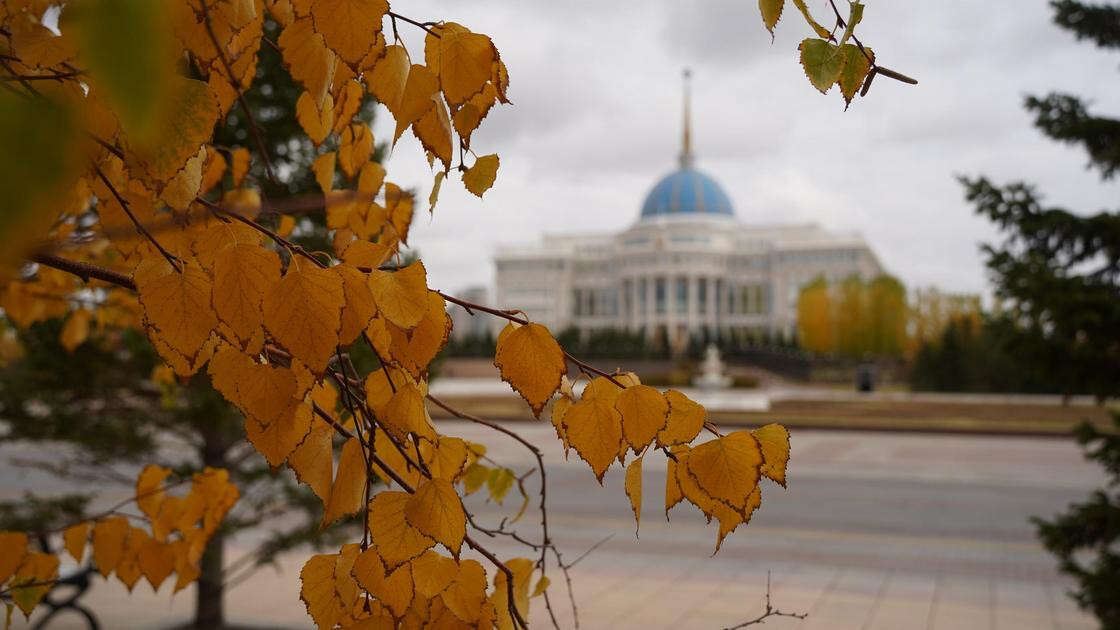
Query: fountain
pixel 711 371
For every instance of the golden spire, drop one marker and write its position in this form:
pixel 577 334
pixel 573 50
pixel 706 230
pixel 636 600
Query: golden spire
pixel 686 140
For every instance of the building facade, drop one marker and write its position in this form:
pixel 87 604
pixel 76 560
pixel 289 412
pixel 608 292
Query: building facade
pixel 687 267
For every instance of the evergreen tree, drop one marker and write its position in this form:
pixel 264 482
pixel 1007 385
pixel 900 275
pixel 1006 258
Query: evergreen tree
pixel 1060 273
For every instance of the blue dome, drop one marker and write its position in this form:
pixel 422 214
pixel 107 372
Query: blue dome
pixel 686 191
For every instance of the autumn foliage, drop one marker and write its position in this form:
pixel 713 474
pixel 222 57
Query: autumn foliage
pixel 124 213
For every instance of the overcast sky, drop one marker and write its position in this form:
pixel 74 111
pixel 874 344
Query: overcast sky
pixel 595 121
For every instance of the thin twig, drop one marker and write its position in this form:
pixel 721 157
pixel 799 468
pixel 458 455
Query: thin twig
pixel 171 258
pixel 770 611
pixel 240 94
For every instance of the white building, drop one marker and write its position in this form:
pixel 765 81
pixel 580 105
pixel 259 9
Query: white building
pixel 686 267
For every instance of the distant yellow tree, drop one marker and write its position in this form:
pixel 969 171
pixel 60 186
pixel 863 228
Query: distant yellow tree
pixel 814 317
pixel 887 315
pixel 932 310
pixel 855 317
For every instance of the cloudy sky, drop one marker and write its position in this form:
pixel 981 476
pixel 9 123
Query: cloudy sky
pixel 596 121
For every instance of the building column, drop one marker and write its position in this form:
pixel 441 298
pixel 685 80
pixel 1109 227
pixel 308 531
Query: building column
pixel 712 319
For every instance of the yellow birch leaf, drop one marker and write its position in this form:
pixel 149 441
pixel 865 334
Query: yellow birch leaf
pixel 462 59
pixel 156 560
pixel 673 493
pixel 446 458
pixel 480 176
pixel 465 597
pixel 370 179
pixel 542 585
pixel 559 408
pixel 345 586
pixel 405 413
pixel 348 489
pixel 393 589
pixel 531 361
pixel 389 455
pixel 311 461
pixel 686 419
pixel 109 537
pixel 771 12
pixel 184 186
pixel 389 77
pixel 359 307
pixel 417 98
pixel 816 26
pixel 355 148
pixel 730 519
pixel 727 468
pixel 691 490
pixel 13 549
pixel 349 102
pixel 633 486
pixel 522 570
pixel 774 440
pixel 323 167
pixel 398 204
pixel 266 393
pixel 434 195
pixel 277 439
pixel 303 311
pixel 212 170
pixel 644 412
pixel 243 274
pixel 76 330
pixel 469 115
pixel 402 295
pixel 856 67
pixel 176 304
pixel 474 478
pixel 396 540
pixel 349 27
pixel 594 430
pixel 317 590
pixel 433 130
pixel 436 511
pixel 36 568
pixel 316 121
pixel 822 63
pixel 308 59
pixel 607 389
pixel 240 167
pixel 74 538
pixel 181 130
pixel 149 489
pixel 432 573
pixel 498 484
pixel 287 224
pixel 417 350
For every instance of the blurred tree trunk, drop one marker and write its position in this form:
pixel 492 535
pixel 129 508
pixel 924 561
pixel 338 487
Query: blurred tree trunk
pixel 209 610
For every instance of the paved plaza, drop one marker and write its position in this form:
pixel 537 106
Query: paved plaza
pixel 877 531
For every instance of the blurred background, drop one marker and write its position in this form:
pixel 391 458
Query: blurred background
pixel 941 341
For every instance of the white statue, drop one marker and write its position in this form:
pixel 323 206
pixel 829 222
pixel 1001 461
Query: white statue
pixel 711 371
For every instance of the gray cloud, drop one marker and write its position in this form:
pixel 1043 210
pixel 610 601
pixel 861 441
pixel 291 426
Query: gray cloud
pixel 596 120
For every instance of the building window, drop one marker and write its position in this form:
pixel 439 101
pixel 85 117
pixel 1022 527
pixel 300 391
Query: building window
pixel 682 295
pixel 719 296
pixel 642 299
pixel 627 300
pixel 577 303
pixel 702 295
pixel 659 295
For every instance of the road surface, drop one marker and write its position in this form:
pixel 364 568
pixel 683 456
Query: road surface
pixel 876 531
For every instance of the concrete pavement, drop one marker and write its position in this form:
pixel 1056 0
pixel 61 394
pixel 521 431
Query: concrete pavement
pixel 876 531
